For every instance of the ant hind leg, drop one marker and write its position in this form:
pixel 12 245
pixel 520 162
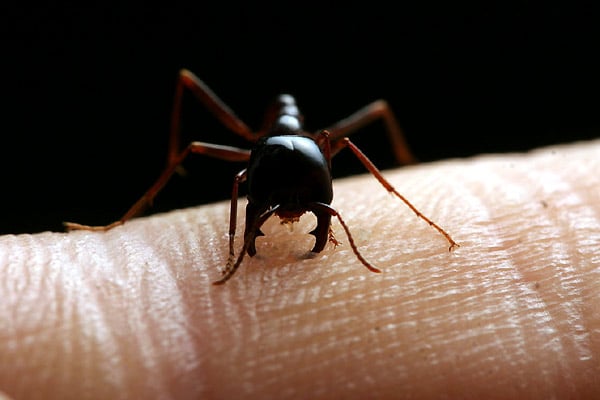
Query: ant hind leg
pixel 372 112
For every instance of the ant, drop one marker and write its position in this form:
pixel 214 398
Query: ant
pixel 288 170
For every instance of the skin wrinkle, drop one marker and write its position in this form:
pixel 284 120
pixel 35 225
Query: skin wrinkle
pixel 533 300
pixel 19 305
pixel 500 246
pixel 27 315
pixel 570 263
pixel 398 217
pixel 227 340
pixel 428 326
pixel 118 284
pixel 53 276
pixel 219 236
pixel 326 344
pixel 95 335
pixel 53 310
pixel 540 311
pixel 198 318
pixel 433 205
pixel 290 317
pixel 195 319
pixel 500 263
pixel 151 299
pixel 589 240
pixel 164 319
pixel 15 290
pixel 391 327
pixel 66 310
pixel 559 252
pixel 130 321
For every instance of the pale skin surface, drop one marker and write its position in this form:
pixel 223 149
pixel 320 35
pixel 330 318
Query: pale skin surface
pixel 512 313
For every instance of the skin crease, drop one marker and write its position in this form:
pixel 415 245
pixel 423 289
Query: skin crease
pixel 512 313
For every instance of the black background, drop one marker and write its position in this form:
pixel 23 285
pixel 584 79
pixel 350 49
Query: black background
pixel 87 91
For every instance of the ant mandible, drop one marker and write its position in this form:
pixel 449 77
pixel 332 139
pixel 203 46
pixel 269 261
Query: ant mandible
pixel 288 171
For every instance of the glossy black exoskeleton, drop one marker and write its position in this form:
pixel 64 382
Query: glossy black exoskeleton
pixel 291 174
pixel 288 170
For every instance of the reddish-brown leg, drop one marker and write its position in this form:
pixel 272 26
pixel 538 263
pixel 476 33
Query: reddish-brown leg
pixel 323 141
pixel 325 208
pixel 377 110
pixel 239 178
pixel 248 241
pixel 187 80
pixel 175 156
pixel 212 150
pixel 345 142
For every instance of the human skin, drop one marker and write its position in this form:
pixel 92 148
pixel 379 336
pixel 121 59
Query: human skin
pixel 514 312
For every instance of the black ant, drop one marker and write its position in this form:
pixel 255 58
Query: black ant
pixel 288 171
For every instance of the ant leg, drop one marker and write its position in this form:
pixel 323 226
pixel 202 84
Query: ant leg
pixel 239 178
pixel 249 237
pixel 327 209
pixel 227 153
pixel 175 156
pixel 210 100
pixel 379 109
pixel 322 140
pixel 388 186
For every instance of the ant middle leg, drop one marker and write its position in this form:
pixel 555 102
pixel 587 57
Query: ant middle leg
pixel 175 156
pixel 226 153
pixel 376 110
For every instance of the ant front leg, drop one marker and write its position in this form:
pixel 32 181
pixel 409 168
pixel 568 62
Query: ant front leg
pixel 379 109
pixel 249 237
pixel 345 142
pixel 226 153
pixel 239 178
